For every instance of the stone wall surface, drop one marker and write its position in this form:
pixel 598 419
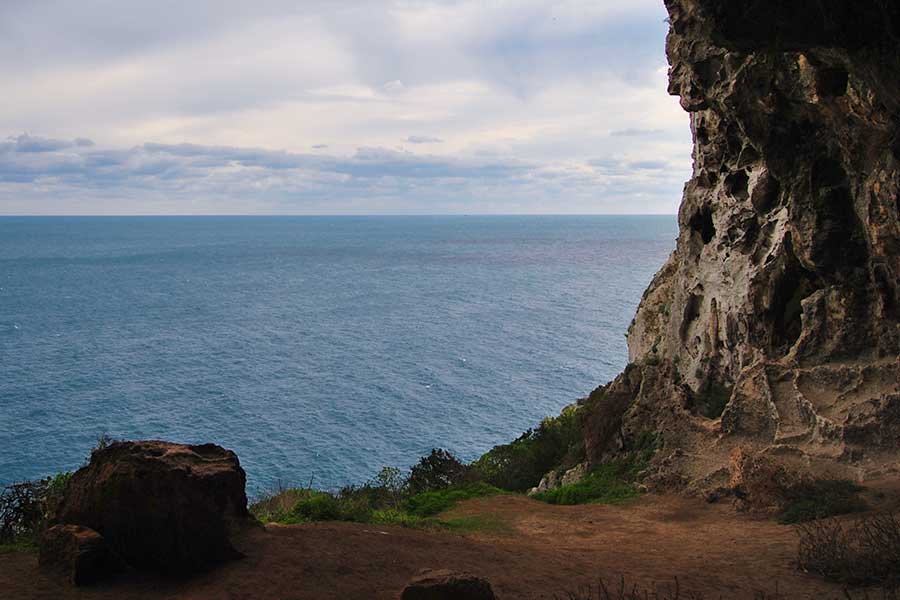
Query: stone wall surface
pixel 775 323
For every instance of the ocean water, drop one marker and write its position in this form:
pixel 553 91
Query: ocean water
pixel 318 348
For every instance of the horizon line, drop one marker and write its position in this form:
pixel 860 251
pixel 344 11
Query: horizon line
pixel 330 215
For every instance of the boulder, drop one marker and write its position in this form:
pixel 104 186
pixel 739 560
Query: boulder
pixel 79 554
pixel 447 585
pixel 161 506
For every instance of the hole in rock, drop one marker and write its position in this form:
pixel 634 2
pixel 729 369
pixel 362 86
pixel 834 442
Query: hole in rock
pixel 736 184
pixel 831 82
pixel 691 314
pixel 749 155
pixel 710 401
pixel 702 135
pixel 735 140
pixel 708 71
pixel 827 172
pixel 702 222
pixel 795 284
pixel 766 193
pixel 886 286
pixel 751 234
pixel 837 242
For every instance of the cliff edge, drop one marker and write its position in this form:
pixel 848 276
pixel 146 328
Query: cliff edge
pixel 774 326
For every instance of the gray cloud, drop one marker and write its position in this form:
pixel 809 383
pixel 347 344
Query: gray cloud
pixel 29 143
pixel 632 132
pixel 649 165
pixel 382 179
pixel 424 139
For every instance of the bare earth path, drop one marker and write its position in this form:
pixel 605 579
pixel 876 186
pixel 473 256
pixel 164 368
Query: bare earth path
pixel 533 551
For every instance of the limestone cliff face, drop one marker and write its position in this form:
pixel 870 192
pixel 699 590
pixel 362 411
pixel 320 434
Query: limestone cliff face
pixel 781 301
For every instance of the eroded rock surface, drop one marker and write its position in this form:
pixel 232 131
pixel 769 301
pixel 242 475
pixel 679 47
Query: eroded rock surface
pixel 774 324
pixel 161 506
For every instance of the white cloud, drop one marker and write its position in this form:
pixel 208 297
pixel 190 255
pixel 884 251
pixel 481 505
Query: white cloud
pixel 553 86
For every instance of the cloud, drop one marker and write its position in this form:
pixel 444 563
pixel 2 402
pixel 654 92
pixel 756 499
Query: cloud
pixel 28 143
pixel 220 97
pixel 190 178
pixel 424 139
pixel 394 86
pixel 648 165
pixel 632 132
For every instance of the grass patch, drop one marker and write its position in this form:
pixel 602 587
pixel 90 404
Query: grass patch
pixel 428 504
pixel 23 545
pixel 610 483
pixel 477 524
pixel 404 519
pixel 821 498
pixel 365 504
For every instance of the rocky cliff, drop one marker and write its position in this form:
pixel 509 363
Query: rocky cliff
pixel 775 323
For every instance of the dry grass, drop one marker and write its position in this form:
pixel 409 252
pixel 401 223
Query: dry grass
pixel 863 552
pixel 624 591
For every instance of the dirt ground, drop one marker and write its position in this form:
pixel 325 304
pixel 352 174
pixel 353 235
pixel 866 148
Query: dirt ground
pixel 530 550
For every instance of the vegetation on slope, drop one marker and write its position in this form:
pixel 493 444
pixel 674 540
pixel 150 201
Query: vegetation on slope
pixel 519 465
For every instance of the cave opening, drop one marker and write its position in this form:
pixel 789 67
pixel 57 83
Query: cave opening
pixel 794 285
pixel 839 245
pixel 691 314
pixel 702 223
pixel 831 82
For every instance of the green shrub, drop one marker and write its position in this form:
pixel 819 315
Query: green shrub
pixel 25 508
pixel 610 483
pixel 521 464
pixel 428 504
pixel 319 506
pixel 821 498
pixel 439 470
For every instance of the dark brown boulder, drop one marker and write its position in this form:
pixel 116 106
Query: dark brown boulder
pixel 161 506
pixel 447 585
pixel 78 553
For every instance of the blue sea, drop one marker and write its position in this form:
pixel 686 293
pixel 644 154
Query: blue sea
pixel 318 348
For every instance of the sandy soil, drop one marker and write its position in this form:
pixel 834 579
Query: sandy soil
pixel 533 550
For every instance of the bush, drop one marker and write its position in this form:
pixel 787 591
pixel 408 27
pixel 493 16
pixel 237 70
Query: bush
pixel 428 504
pixel 610 483
pixel 25 508
pixel 521 464
pixel 821 498
pixel 437 471
pixel 864 552
pixel 275 505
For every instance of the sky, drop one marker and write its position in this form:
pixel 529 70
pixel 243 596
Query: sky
pixel 338 107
